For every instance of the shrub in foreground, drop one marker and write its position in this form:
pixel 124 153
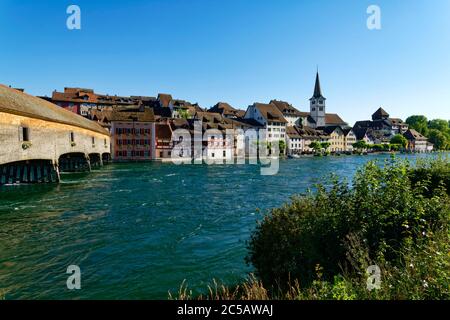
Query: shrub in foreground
pixel 392 217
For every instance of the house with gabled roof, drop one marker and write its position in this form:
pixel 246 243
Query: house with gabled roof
pixel 381 128
pixel 417 142
pixel 227 111
pixel 337 138
pixel 271 118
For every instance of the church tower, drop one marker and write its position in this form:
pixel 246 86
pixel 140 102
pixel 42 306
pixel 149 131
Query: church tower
pixel 317 104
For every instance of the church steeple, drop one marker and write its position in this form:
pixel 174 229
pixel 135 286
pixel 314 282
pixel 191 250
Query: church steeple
pixel 317 105
pixel 317 88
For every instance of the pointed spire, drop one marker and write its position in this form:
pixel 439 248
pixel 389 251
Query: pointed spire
pixel 317 89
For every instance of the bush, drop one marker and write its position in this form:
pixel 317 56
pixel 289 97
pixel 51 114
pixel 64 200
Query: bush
pixel 434 174
pixel 391 212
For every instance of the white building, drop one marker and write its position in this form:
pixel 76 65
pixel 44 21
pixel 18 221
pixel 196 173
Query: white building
pixel 416 141
pixel 271 118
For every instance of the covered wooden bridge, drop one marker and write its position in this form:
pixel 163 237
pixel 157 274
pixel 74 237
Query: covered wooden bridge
pixel 38 140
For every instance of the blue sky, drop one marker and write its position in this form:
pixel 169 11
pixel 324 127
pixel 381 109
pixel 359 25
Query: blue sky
pixel 238 51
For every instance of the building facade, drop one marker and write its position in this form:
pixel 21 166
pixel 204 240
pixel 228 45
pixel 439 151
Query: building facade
pixel 132 135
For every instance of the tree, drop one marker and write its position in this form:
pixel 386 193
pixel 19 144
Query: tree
pixel 282 145
pixel 360 145
pixel 439 124
pixel 418 123
pixel 316 146
pixel 377 147
pixel 439 139
pixel 325 145
pixel 184 114
pixel 400 140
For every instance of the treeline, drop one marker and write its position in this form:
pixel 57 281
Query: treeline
pixel 437 131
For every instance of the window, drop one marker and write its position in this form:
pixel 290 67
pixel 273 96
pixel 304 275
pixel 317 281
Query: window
pixel 25 134
pixel 213 155
pixel 321 108
pixel 93 141
pixel 224 153
pixel 72 137
pixel 313 109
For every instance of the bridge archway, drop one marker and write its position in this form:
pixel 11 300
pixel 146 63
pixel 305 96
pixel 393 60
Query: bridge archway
pixel 95 160
pixel 74 162
pixel 28 171
pixel 106 157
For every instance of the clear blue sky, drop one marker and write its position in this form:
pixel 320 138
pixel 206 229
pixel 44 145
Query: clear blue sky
pixel 238 51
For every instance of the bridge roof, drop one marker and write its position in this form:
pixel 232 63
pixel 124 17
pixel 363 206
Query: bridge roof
pixel 22 104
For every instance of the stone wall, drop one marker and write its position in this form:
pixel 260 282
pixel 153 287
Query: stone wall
pixel 47 140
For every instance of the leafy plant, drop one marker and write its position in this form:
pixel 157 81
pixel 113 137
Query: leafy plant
pixel 383 207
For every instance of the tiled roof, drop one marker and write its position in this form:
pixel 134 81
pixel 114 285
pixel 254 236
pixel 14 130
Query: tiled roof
pixel 270 112
pixel 127 115
pixel 293 133
pixel 380 114
pixel 226 110
pixel 330 129
pixel 165 99
pixel 163 131
pixel 412 134
pixel 334 119
pixel 308 132
pixel 286 108
pixel 22 104
pixel 250 123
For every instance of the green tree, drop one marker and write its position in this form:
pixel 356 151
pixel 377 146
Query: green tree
pixel 439 139
pixel 316 146
pixel 184 114
pixel 439 124
pixel 377 147
pixel 400 140
pixel 325 145
pixel 282 145
pixel 418 123
pixel 360 145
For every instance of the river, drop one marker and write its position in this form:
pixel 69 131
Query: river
pixel 138 230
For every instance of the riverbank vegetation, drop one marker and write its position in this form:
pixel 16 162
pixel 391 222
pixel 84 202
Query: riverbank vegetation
pixel 392 215
pixel 437 131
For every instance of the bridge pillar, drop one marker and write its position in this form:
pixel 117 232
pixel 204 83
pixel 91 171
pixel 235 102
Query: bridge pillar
pixel 32 171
